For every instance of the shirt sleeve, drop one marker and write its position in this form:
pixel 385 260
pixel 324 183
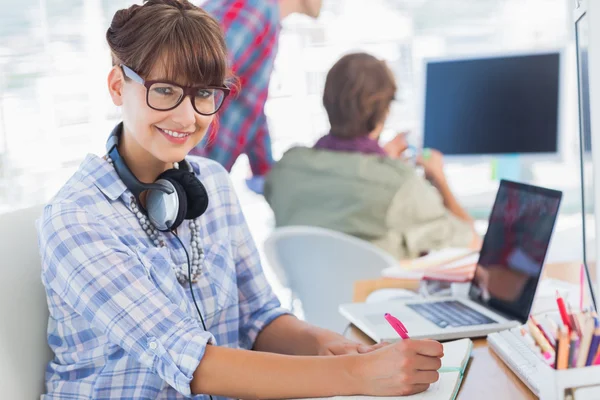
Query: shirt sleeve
pixel 250 33
pixel 258 305
pixel 252 41
pixel 259 151
pixel 104 281
pixel 418 214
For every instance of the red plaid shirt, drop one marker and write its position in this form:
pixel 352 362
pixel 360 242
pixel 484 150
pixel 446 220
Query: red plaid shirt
pixel 251 31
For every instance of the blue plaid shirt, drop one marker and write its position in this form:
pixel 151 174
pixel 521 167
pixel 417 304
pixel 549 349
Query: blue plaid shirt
pixel 121 325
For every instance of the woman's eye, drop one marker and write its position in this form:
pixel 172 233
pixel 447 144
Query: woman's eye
pixel 204 93
pixel 164 90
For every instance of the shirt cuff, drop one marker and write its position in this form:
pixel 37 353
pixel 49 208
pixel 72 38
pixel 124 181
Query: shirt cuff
pixel 180 353
pixel 258 322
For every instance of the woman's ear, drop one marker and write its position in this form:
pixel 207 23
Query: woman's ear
pixel 115 85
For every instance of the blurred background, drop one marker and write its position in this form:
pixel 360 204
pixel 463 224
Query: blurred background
pixel 54 105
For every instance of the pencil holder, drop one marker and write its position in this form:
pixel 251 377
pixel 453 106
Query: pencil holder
pixel 570 384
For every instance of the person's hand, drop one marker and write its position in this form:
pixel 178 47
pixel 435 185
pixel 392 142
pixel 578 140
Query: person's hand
pixel 432 162
pixel 398 145
pixel 403 368
pixel 344 346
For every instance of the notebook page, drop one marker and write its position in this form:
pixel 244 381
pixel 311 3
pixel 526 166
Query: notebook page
pixel 456 354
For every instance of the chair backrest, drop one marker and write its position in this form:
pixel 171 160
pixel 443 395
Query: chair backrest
pixel 321 267
pixel 24 352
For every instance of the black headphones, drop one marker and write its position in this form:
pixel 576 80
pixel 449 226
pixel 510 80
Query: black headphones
pixel 177 194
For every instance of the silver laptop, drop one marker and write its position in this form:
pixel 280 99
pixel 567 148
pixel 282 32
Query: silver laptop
pixel 505 281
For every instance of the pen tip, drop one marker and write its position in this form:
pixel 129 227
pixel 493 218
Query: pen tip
pixel 386 314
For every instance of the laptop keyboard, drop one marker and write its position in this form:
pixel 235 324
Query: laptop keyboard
pixel 450 313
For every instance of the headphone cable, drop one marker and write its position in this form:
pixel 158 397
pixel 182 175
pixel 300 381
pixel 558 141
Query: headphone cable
pixel 187 256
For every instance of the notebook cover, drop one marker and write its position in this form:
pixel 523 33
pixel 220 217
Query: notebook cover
pixel 462 372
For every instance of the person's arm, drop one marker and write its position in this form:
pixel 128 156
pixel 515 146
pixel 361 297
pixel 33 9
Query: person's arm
pixel 450 201
pixel 264 326
pixel 421 222
pixel 404 368
pixel 434 171
pixel 109 285
pixel 258 150
pixel 253 375
pixel 452 204
pixel 433 165
pixel 289 335
pixel 251 37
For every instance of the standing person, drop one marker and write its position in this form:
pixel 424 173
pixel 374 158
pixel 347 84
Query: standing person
pixel 251 30
pixel 153 282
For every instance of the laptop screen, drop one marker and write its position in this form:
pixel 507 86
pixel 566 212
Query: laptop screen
pixel 514 248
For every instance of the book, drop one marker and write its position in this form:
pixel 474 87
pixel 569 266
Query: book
pixel 451 264
pixel 455 360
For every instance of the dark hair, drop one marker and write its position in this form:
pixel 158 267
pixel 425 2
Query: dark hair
pixel 358 92
pixel 184 38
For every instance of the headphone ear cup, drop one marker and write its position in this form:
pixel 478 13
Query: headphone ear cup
pixel 195 192
pixel 166 211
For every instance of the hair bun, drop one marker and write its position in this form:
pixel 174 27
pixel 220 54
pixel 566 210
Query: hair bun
pixel 121 17
pixel 179 4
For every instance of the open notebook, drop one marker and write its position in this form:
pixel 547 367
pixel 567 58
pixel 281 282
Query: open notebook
pixel 454 362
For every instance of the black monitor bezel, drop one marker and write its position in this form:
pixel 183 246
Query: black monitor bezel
pixel 559 52
pixel 532 189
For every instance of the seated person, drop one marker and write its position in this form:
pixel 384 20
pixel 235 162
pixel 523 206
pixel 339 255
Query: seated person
pixel 349 183
pixel 153 282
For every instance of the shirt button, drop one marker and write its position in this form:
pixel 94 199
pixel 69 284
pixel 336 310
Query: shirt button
pixel 153 345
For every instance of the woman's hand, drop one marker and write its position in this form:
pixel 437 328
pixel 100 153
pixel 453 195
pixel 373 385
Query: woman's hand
pixel 403 368
pixel 344 346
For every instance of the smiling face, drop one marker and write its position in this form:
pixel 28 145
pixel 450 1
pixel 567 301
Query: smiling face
pixel 167 136
pixel 183 45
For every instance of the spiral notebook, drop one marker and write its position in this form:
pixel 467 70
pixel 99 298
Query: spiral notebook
pixel 455 360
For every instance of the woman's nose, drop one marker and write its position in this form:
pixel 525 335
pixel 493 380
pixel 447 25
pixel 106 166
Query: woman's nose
pixel 184 113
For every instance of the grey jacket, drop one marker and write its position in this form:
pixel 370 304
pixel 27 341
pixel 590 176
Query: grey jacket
pixel 379 199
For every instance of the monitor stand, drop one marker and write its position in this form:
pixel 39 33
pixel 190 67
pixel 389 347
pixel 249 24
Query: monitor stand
pixel 512 167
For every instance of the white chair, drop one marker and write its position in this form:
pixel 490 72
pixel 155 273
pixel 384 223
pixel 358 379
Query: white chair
pixel 24 352
pixel 320 267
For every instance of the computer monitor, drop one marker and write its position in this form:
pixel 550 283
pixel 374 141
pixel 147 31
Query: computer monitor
pixel 494 105
pixel 585 144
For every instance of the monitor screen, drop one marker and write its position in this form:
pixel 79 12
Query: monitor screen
pixel 500 105
pixel 514 248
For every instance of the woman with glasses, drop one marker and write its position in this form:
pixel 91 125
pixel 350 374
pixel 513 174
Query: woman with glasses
pixel 349 183
pixel 153 282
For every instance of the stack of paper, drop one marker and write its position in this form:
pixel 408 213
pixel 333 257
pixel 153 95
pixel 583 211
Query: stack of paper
pixel 452 264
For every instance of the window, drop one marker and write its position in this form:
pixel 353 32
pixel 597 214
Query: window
pixel 54 106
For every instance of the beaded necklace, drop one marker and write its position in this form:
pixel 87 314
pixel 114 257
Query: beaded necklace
pixel 197 256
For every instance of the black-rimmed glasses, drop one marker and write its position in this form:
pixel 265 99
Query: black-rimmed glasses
pixel 165 95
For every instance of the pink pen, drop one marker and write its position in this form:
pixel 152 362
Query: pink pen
pixel 397 325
